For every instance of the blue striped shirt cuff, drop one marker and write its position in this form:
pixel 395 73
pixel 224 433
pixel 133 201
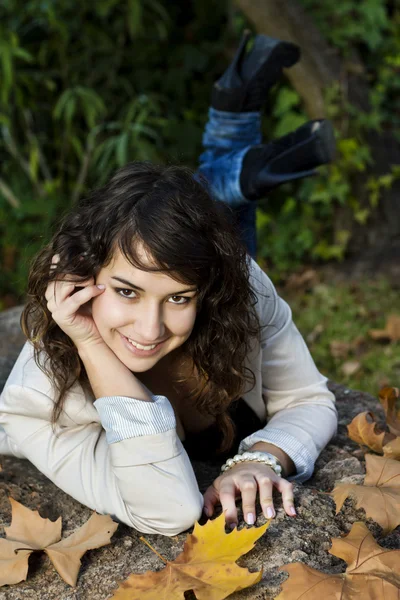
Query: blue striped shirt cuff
pixel 123 417
pixel 299 454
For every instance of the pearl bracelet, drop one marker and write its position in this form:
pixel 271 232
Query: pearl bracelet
pixel 262 457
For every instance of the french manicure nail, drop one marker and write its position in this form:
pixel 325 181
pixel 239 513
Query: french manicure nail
pixel 292 510
pixel 232 525
pixel 270 512
pixel 250 519
pixel 101 286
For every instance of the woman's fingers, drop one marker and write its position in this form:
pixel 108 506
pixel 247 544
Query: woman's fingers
pixel 54 261
pixel 62 290
pixel 286 489
pixel 211 498
pixel 249 493
pixel 265 489
pixel 58 290
pixel 247 480
pixel 68 301
pixel 227 492
pixel 68 304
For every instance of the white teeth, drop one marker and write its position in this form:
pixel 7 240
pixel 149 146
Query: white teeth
pixel 140 345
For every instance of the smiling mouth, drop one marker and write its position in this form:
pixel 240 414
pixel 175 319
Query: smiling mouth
pixel 143 347
pixel 140 346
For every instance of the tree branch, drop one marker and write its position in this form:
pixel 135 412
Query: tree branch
pixel 320 65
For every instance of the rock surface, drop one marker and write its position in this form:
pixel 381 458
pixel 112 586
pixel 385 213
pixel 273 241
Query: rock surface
pixel 305 538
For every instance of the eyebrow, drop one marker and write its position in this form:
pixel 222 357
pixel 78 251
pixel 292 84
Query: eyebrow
pixel 136 287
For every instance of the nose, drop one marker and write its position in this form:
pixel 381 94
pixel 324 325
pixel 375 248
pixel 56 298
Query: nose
pixel 148 325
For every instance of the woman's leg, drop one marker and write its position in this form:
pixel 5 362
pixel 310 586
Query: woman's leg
pixel 234 124
pixel 227 138
pixel 238 168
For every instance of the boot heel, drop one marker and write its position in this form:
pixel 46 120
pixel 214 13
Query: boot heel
pixel 245 83
pixel 293 156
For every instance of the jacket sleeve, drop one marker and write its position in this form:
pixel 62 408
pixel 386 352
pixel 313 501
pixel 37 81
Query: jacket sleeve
pixel 137 471
pixel 301 411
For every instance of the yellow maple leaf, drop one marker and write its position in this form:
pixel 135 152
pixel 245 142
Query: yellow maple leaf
pixel 380 494
pixel 206 566
pixel 372 572
pixel 29 532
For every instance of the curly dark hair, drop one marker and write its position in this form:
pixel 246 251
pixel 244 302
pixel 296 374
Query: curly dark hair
pixel 188 235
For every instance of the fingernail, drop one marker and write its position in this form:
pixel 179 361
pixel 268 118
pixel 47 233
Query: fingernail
pixel 206 511
pixel 292 510
pixel 270 512
pixel 232 525
pixel 101 286
pixel 250 519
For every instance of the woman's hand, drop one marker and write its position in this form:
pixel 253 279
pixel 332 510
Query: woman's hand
pixel 246 479
pixel 69 308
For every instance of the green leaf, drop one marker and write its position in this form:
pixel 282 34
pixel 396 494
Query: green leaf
pixel 122 149
pixel 135 17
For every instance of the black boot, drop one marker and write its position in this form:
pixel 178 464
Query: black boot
pixel 290 157
pixel 244 85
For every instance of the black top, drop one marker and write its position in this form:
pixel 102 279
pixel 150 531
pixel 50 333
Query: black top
pixel 203 445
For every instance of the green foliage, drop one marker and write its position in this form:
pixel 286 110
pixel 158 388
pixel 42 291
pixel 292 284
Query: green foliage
pixel 343 313
pixel 87 87
pixel 296 223
pixel 347 22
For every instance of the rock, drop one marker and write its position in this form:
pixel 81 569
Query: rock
pixel 305 538
pixel 11 341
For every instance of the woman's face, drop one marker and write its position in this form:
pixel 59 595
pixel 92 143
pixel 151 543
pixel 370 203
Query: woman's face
pixel 161 313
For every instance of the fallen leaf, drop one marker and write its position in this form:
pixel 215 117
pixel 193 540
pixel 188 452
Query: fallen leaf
pixel 350 367
pixel 207 566
pixel 392 449
pixel 307 279
pixel 380 494
pixel 372 572
pixel 388 397
pixel 365 431
pixel 391 331
pixel 339 349
pixel 29 532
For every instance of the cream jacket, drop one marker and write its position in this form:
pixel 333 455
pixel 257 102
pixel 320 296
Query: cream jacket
pixel 124 457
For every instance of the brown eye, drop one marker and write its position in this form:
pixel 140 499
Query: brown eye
pixel 184 298
pixel 125 293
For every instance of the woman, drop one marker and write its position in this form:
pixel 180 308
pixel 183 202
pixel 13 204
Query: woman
pixel 151 330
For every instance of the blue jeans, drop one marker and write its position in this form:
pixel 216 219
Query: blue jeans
pixel 226 139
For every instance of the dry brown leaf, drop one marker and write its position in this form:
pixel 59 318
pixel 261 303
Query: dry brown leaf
pixel 207 566
pixel 350 367
pixel 392 449
pixel 372 572
pixel 391 331
pixel 307 279
pixel 380 494
pixel 339 349
pixel 29 532
pixel 388 397
pixel 365 431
